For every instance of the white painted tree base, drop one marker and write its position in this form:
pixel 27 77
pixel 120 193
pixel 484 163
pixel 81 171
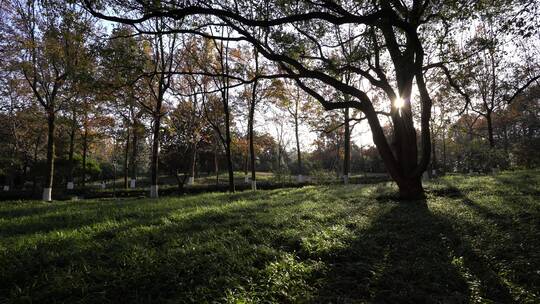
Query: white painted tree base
pixel 253 185
pixel 300 178
pixel 6 188
pixel 246 179
pixel 47 194
pixel 346 179
pixel 70 185
pixel 154 191
pixel 132 183
pixel 103 186
pixel 191 180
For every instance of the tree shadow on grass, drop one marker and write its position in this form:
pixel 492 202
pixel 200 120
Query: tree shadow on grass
pixel 257 248
pixel 407 255
pixel 510 220
pixel 403 257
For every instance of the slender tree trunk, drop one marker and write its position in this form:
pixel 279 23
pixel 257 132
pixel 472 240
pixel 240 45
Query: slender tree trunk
pixel 228 147
pixel 297 137
pixel 347 149
pixel 246 158
pixel 434 164
pixel 126 158
pixel 155 158
pixel 193 162
pixel 470 150
pixel 71 152
pixel 444 149
pixel 134 149
pixel 337 160
pixel 279 160
pixel 47 190
pixel 490 129
pixel 216 162
pixel 85 151
pixel 505 134
pixel 36 149
pixel 26 165
pixel 251 122
pixel 252 158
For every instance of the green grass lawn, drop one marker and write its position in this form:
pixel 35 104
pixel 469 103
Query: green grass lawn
pixel 474 239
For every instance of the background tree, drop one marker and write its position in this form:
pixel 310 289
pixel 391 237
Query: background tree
pixel 159 71
pixel 50 36
pixel 123 58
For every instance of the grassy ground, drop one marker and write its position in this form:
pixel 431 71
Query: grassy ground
pixel 474 239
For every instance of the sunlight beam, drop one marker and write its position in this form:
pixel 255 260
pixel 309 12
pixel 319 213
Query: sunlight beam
pixel 398 104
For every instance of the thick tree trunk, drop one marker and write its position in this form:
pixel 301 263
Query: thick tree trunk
pixel 154 192
pixel 347 148
pixel 47 189
pixel 401 170
pixel 405 140
pixel 411 188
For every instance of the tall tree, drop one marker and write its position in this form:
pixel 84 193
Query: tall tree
pixel 159 77
pixel 254 94
pixel 49 36
pixel 123 65
pixel 251 122
pixel 221 66
pixel 297 104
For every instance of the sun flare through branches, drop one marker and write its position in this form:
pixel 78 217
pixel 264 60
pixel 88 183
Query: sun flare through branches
pixel 398 104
